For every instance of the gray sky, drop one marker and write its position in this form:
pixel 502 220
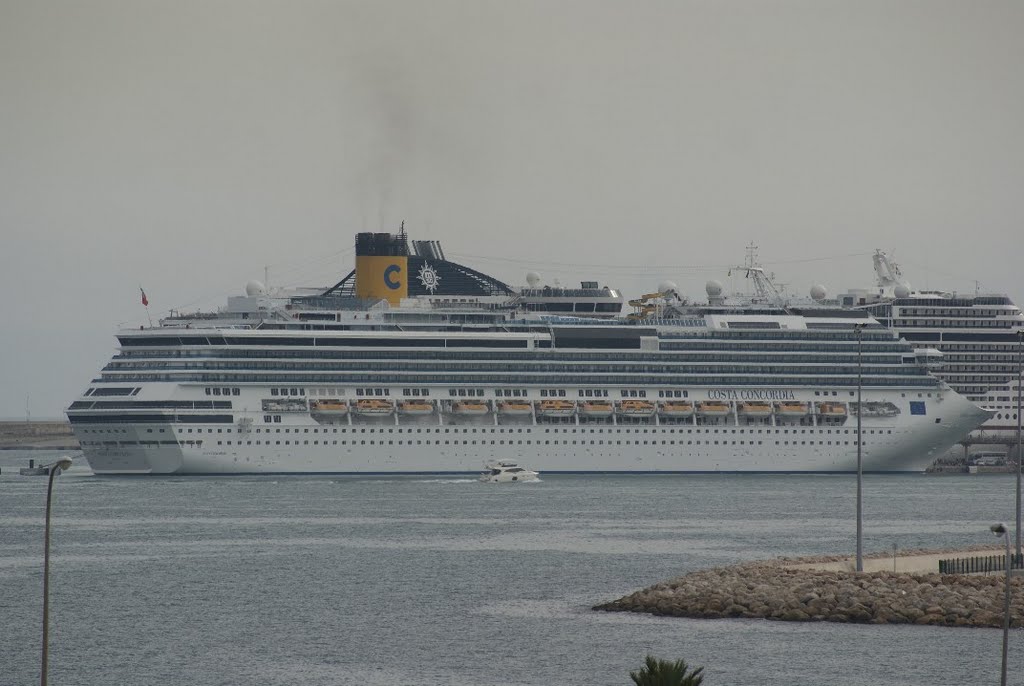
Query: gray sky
pixel 185 145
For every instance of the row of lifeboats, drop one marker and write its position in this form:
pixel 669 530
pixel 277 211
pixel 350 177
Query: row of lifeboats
pixel 599 409
pixel 370 407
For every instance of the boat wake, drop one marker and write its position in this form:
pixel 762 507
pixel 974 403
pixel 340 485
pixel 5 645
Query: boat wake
pixel 445 481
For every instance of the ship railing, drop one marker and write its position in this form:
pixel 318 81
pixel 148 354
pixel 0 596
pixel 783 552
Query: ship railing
pixel 568 292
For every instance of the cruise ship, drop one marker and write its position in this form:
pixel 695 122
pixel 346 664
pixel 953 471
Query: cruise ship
pixel 978 340
pixel 413 363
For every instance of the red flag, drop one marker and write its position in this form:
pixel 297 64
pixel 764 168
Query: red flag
pixel 145 300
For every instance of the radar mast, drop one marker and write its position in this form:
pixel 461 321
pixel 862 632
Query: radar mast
pixel 764 287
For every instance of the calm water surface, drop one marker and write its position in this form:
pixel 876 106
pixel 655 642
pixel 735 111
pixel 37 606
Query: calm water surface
pixel 328 580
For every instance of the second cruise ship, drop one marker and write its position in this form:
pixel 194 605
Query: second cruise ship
pixel 978 339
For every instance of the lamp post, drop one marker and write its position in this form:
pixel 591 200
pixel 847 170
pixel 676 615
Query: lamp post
pixel 859 328
pixel 1020 374
pixel 55 469
pixel 1000 530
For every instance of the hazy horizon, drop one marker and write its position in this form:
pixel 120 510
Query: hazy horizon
pixel 183 147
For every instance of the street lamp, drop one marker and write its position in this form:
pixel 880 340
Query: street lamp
pixel 1000 530
pixel 56 468
pixel 1020 373
pixel 859 328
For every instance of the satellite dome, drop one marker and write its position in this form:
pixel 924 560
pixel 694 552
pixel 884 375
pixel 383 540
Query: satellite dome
pixel 254 288
pixel 533 279
pixel 667 287
pixel 818 292
pixel 902 290
pixel 713 288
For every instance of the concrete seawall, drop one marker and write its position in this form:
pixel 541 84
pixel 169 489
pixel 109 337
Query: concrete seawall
pixel 825 590
pixel 42 435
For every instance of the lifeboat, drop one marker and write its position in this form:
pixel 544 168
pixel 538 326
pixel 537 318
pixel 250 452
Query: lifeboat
pixel 676 408
pixel 415 408
pixel 556 408
pixel 754 409
pixel 596 408
pixel 831 410
pixel 713 408
pixel 470 408
pixel 791 409
pixel 515 408
pixel 374 407
pixel 329 407
pixel 635 408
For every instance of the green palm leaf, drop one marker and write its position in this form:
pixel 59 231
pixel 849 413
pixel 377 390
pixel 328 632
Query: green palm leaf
pixel 657 672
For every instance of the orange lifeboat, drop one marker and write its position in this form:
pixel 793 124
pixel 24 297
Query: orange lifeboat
pixel 470 408
pixel 713 408
pixel 515 408
pixel 754 409
pixel 329 407
pixel 374 407
pixel 556 408
pixel 837 410
pixel 635 408
pixel 676 408
pixel 596 408
pixel 415 408
pixel 791 409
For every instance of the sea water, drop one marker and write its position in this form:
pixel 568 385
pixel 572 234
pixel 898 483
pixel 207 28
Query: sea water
pixel 439 580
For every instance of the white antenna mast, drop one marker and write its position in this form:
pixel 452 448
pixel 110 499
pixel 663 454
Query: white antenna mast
pixel 763 284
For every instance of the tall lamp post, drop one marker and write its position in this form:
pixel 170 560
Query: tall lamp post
pixel 55 469
pixel 860 472
pixel 1000 530
pixel 1020 374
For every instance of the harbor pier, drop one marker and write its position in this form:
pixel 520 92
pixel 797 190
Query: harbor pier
pixel 826 589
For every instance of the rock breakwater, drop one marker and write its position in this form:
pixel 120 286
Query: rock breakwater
pixel 777 591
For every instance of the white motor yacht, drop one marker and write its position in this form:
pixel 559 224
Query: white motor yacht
pixel 507 472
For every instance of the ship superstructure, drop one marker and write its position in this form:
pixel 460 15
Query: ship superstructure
pixel 978 337
pixel 415 364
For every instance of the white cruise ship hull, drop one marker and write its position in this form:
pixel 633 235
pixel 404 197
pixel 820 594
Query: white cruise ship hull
pixel 904 443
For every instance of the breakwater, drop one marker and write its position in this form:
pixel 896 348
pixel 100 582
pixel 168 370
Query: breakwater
pixel 800 591
pixel 39 435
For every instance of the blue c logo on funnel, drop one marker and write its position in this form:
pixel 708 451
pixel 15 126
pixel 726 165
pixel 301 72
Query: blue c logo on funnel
pixel 388 272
